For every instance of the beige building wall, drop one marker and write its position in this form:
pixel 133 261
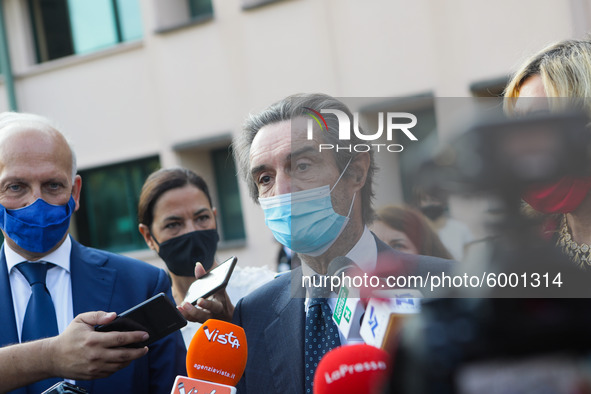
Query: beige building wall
pixel 178 87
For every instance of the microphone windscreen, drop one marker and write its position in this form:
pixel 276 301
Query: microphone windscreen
pixel 217 353
pixel 352 369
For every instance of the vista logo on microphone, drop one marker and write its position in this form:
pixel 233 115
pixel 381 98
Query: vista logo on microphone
pixel 217 353
pixel 229 338
pixel 395 121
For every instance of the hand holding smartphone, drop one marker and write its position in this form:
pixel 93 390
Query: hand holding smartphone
pixel 212 282
pixel 157 316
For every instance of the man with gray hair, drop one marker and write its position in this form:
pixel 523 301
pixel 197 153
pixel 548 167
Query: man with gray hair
pixel 318 203
pixel 47 278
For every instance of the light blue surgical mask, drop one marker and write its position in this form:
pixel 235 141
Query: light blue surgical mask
pixel 37 227
pixel 305 221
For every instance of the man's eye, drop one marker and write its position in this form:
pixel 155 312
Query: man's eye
pixel 302 166
pixel 14 188
pixel 397 245
pixel 265 179
pixel 54 185
pixel 171 225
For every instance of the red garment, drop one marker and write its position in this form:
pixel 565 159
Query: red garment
pixel 560 197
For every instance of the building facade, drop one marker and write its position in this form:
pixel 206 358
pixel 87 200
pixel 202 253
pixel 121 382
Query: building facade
pixel 140 84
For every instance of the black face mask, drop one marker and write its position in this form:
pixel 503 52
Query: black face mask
pixel 181 253
pixel 433 212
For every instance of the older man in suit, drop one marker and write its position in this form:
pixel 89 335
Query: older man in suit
pixel 40 265
pixel 318 203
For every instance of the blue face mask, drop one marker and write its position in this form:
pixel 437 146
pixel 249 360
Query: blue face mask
pixel 38 227
pixel 305 221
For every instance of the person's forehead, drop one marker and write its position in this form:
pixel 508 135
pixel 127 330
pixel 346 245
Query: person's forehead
pixel 31 135
pixel 188 197
pixel 24 145
pixel 532 96
pixel 287 137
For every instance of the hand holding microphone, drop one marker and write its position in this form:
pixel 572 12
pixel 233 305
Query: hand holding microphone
pixel 216 359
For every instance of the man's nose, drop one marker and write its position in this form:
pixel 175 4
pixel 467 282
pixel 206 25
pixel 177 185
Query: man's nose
pixel 34 194
pixel 283 184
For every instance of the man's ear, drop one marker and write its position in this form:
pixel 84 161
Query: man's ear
pixel 76 189
pixel 145 231
pixel 358 170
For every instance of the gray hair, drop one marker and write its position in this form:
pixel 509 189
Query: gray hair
pixel 290 108
pixel 36 122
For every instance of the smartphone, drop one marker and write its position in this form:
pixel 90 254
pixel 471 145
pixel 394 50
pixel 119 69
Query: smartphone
pixel 65 388
pixel 214 280
pixel 157 316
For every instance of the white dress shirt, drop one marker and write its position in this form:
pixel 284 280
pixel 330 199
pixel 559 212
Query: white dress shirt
pixel 365 255
pixel 57 281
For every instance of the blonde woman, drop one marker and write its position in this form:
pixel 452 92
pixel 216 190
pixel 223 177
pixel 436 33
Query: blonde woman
pixel 562 70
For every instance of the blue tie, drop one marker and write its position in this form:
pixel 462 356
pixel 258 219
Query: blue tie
pixel 40 320
pixel 321 335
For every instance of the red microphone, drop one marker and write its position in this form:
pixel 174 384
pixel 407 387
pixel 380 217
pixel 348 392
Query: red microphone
pixel 216 359
pixel 352 369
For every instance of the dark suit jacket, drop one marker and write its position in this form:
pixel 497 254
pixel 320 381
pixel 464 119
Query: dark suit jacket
pixel 273 319
pixel 109 282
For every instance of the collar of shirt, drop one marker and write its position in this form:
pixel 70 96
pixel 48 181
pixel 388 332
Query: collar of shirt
pixel 364 254
pixel 59 257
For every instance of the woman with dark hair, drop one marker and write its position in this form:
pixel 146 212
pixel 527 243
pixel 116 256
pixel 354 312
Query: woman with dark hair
pixel 409 231
pixel 177 220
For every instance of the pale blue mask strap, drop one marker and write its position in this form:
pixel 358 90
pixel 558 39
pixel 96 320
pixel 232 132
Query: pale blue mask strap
pixel 351 207
pixel 342 173
pixel 340 176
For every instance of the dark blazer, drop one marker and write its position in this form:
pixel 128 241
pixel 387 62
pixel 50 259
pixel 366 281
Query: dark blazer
pixel 273 319
pixel 113 283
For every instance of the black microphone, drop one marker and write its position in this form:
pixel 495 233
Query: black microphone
pixel 340 265
pixel 348 309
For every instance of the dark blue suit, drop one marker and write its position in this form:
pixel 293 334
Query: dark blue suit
pixel 110 282
pixel 273 319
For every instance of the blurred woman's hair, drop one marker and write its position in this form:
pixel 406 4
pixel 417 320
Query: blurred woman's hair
pixel 565 71
pixel 417 228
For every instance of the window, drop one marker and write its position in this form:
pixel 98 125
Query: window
pixel 230 208
pixel 178 14
pixel 212 159
pixel 67 27
pixel 413 154
pixel 200 8
pixel 398 170
pixel 250 4
pixel 107 218
pixel 489 88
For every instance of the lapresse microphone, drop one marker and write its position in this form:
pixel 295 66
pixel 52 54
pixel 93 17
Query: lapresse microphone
pixel 216 359
pixel 352 369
